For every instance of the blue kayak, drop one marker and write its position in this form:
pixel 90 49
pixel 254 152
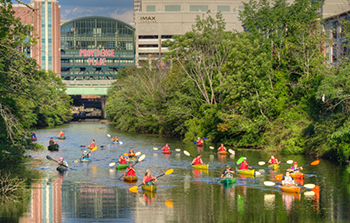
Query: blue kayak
pixel 115 142
pixel 85 160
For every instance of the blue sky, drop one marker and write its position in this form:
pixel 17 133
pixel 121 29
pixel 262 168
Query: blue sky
pixel 118 9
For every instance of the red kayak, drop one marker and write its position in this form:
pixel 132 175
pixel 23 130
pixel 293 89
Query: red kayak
pixel 33 139
pixel 166 151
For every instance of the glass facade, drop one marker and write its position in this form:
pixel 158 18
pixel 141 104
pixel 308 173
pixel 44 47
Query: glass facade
pixel 223 8
pixel 96 48
pixel 43 39
pixel 201 8
pixel 172 8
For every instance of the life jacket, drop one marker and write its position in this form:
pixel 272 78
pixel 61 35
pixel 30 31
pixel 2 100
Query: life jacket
pixel 86 155
pixel 149 181
pixel 296 169
pixel 199 142
pixel 130 172
pixel 287 181
pixel 222 148
pixel 92 145
pixel 131 155
pixel 243 166
pixel 166 148
pixel 115 139
pixel 51 142
pixel 197 161
pixel 274 161
pixel 122 161
pixel 227 174
pixel 61 134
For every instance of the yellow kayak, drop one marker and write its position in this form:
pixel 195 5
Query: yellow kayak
pixel 130 178
pixel 246 172
pixel 93 148
pixel 274 166
pixel 201 166
pixel 222 152
pixel 149 188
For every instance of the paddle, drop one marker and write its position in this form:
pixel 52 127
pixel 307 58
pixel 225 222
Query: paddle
pixel 308 186
pixel 134 188
pixel 178 150
pixel 50 158
pixel 314 163
pixel 136 154
pixel 231 151
pixel 139 160
pixel 93 149
pixel 155 148
pixel 187 154
pixel 261 163
pixel 211 147
pixel 240 160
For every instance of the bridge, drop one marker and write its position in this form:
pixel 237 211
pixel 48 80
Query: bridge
pixel 90 87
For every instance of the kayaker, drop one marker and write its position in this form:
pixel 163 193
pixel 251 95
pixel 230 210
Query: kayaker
pixel 33 135
pixel 92 144
pixel 273 160
pixel 197 160
pixel 244 164
pixel 287 179
pixel 166 147
pixel 61 133
pixel 51 142
pixel 199 142
pixel 62 162
pixel 115 139
pixel 131 154
pixel 122 160
pixel 85 155
pixel 222 147
pixel 131 171
pixel 148 178
pixel 227 172
pixel 296 168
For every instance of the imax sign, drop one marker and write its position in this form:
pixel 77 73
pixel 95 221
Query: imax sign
pixel 148 19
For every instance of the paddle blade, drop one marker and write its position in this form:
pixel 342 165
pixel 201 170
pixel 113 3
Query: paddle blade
pixel 309 186
pixel 279 177
pixel 111 164
pixel 195 142
pixel 169 204
pixel 155 148
pixel 76 161
pixel 178 150
pixel 187 153
pixel 314 163
pixel 289 161
pixel 231 151
pixel 121 143
pixel 211 147
pixel 133 189
pixel 205 138
pixel 240 160
pixel 125 154
pixel 138 153
pixel 49 157
pixel 108 135
pixel 269 183
pixel 169 172
pixel 261 163
pixel 142 157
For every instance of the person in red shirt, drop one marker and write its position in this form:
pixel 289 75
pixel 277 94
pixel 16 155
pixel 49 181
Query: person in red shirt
pixel 122 160
pixel 131 171
pixel 166 147
pixel 92 144
pixel 222 147
pixel 148 178
pixel 273 160
pixel 197 160
pixel 244 164
pixel 199 142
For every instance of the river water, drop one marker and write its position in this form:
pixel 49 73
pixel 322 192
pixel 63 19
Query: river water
pixel 92 192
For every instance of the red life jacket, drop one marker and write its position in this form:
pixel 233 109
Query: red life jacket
pixel 274 161
pixel 199 142
pixel 131 172
pixel 166 148
pixel 244 166
pixel 148 179
pixel 197 161
pixel 122 161
pixel 222 148
pixel 92 145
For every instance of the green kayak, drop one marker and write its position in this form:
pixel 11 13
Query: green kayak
pixel 228 180
pixel 122 166
pixel 62 137
pixel 61 169
pixel 53 147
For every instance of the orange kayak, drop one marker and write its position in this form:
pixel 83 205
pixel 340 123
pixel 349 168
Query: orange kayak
pixel 130 178
pixel 166 152
pixel 222 152
pixel 297 175
pixel 290 188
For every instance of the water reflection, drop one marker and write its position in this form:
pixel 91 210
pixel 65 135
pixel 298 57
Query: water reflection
pixel 288 199
pixel 149 197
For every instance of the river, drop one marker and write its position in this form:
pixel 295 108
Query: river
pixel 91 192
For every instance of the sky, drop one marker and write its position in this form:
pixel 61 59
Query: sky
pixel 118 9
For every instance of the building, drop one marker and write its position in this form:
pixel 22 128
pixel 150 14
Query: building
pixel 96 48
pixel 45 18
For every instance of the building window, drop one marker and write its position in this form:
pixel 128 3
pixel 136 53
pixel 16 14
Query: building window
pixel 223 8
pixel 150 8
pixel 240 8
pixel 172 8
pixel 196 8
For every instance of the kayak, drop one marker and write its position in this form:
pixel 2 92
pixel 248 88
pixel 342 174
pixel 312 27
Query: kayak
pixel 62 137
pixel 133 159
pixel 290 188
pixel 222 152
pixel 274 166
pixel 150 188
pixel 246 172
pixel 33 139
pixel 61 169
pixel 228 180
pixel 115 142
pixel 166 152
pixel 122 166
pixel 130 178
pixel 201 166
pixel 93 148
pixel 53 147
pixel 297 175
pixel 85 160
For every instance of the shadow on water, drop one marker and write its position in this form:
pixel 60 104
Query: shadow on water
pixel 91 192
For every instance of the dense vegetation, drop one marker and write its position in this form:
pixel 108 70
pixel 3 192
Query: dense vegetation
pixel 269 86
pixel 28 95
